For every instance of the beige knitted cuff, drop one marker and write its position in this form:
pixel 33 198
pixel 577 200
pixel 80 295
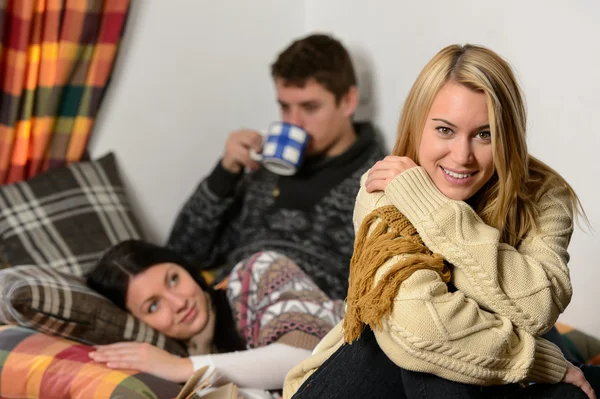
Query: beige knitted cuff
pixel 415 195
pixel 549 364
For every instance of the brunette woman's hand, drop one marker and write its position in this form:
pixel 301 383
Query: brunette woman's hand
pixel 575 376
pixel 146 358
pixel 385 171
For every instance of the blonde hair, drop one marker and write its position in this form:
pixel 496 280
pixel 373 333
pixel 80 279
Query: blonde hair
pixel 508 200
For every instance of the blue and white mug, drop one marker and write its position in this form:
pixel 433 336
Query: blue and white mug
pixel 283 149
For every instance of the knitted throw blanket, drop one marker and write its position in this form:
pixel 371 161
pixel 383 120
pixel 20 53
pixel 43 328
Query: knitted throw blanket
pixel 393 235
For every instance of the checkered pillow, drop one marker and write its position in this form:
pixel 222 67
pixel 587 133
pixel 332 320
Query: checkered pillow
pixel 59 304
pixel 35 365
pixel 65 218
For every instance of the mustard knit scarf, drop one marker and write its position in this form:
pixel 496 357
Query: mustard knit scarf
pixel 394 235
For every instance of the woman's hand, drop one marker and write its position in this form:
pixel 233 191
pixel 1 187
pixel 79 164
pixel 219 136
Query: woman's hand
pixel 575 376
pixel 146 358
pixel 384 171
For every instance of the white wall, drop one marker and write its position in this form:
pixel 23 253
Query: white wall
pixel 189 72
pixel 187 76
pixel 554 47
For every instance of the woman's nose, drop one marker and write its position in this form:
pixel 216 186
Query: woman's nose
pixel 462 153
pixel 178 302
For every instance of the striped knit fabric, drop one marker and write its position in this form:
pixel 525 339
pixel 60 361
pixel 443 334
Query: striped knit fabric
pixel 56 57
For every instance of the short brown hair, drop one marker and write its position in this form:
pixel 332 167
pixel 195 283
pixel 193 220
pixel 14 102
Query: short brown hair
pixel 320 57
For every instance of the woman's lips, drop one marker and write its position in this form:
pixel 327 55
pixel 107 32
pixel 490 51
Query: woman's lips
pixel 189 316
pixel 457 177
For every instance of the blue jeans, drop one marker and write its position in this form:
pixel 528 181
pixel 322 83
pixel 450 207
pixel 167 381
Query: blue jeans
pixel 362 370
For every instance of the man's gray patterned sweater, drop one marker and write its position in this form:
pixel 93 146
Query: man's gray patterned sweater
pixel 307 217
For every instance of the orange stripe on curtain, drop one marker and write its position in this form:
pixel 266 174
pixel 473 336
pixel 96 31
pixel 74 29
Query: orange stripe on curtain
pixel 56 57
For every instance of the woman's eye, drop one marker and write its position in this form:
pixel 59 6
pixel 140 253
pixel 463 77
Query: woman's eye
pixel 174 279
pixel 444 130
pixel 485 135
pixel 153 306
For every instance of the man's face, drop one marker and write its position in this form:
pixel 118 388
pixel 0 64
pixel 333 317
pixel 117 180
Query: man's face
pixel 315 109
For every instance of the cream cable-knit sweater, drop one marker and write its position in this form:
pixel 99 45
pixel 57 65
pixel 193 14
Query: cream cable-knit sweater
pixel 488 331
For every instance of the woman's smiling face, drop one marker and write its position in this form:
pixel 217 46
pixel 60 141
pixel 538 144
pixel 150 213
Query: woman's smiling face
pixel 169 300
pixel 456 144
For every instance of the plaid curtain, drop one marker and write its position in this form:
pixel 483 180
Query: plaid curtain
pixel 56 57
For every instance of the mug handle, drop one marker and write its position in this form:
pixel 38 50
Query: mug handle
pixel 255 156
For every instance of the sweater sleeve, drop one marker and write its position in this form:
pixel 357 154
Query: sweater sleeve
pixel 448 334
pixel 202 231
pixel 530 285
pixel 259 368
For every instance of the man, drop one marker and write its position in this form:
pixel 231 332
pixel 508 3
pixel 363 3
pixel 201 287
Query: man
pixel 241 209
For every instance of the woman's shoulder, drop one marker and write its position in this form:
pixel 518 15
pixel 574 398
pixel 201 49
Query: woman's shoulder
pixel 545 185
pixel 553 190
pixel 554 209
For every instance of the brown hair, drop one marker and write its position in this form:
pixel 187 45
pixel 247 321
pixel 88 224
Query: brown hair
pixel 320 57
pixel 112 274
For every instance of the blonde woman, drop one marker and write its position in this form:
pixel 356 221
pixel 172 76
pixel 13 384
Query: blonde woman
pixel 460 262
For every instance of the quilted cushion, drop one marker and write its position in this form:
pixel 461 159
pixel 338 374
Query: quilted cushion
pixel 66 217
pixel 36 365
pixel 60 304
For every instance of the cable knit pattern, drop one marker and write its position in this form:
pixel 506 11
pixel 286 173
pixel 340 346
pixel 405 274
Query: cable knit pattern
pixel 384 233
pixel 530 285
pixel 469 335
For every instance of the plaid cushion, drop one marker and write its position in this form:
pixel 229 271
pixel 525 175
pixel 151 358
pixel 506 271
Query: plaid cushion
pixel 36 365
pixel 61 304
pixel 65 218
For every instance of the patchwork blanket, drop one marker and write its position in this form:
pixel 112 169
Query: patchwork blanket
pixel 37 365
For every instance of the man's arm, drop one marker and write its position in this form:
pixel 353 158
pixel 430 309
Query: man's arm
pixel 200 230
